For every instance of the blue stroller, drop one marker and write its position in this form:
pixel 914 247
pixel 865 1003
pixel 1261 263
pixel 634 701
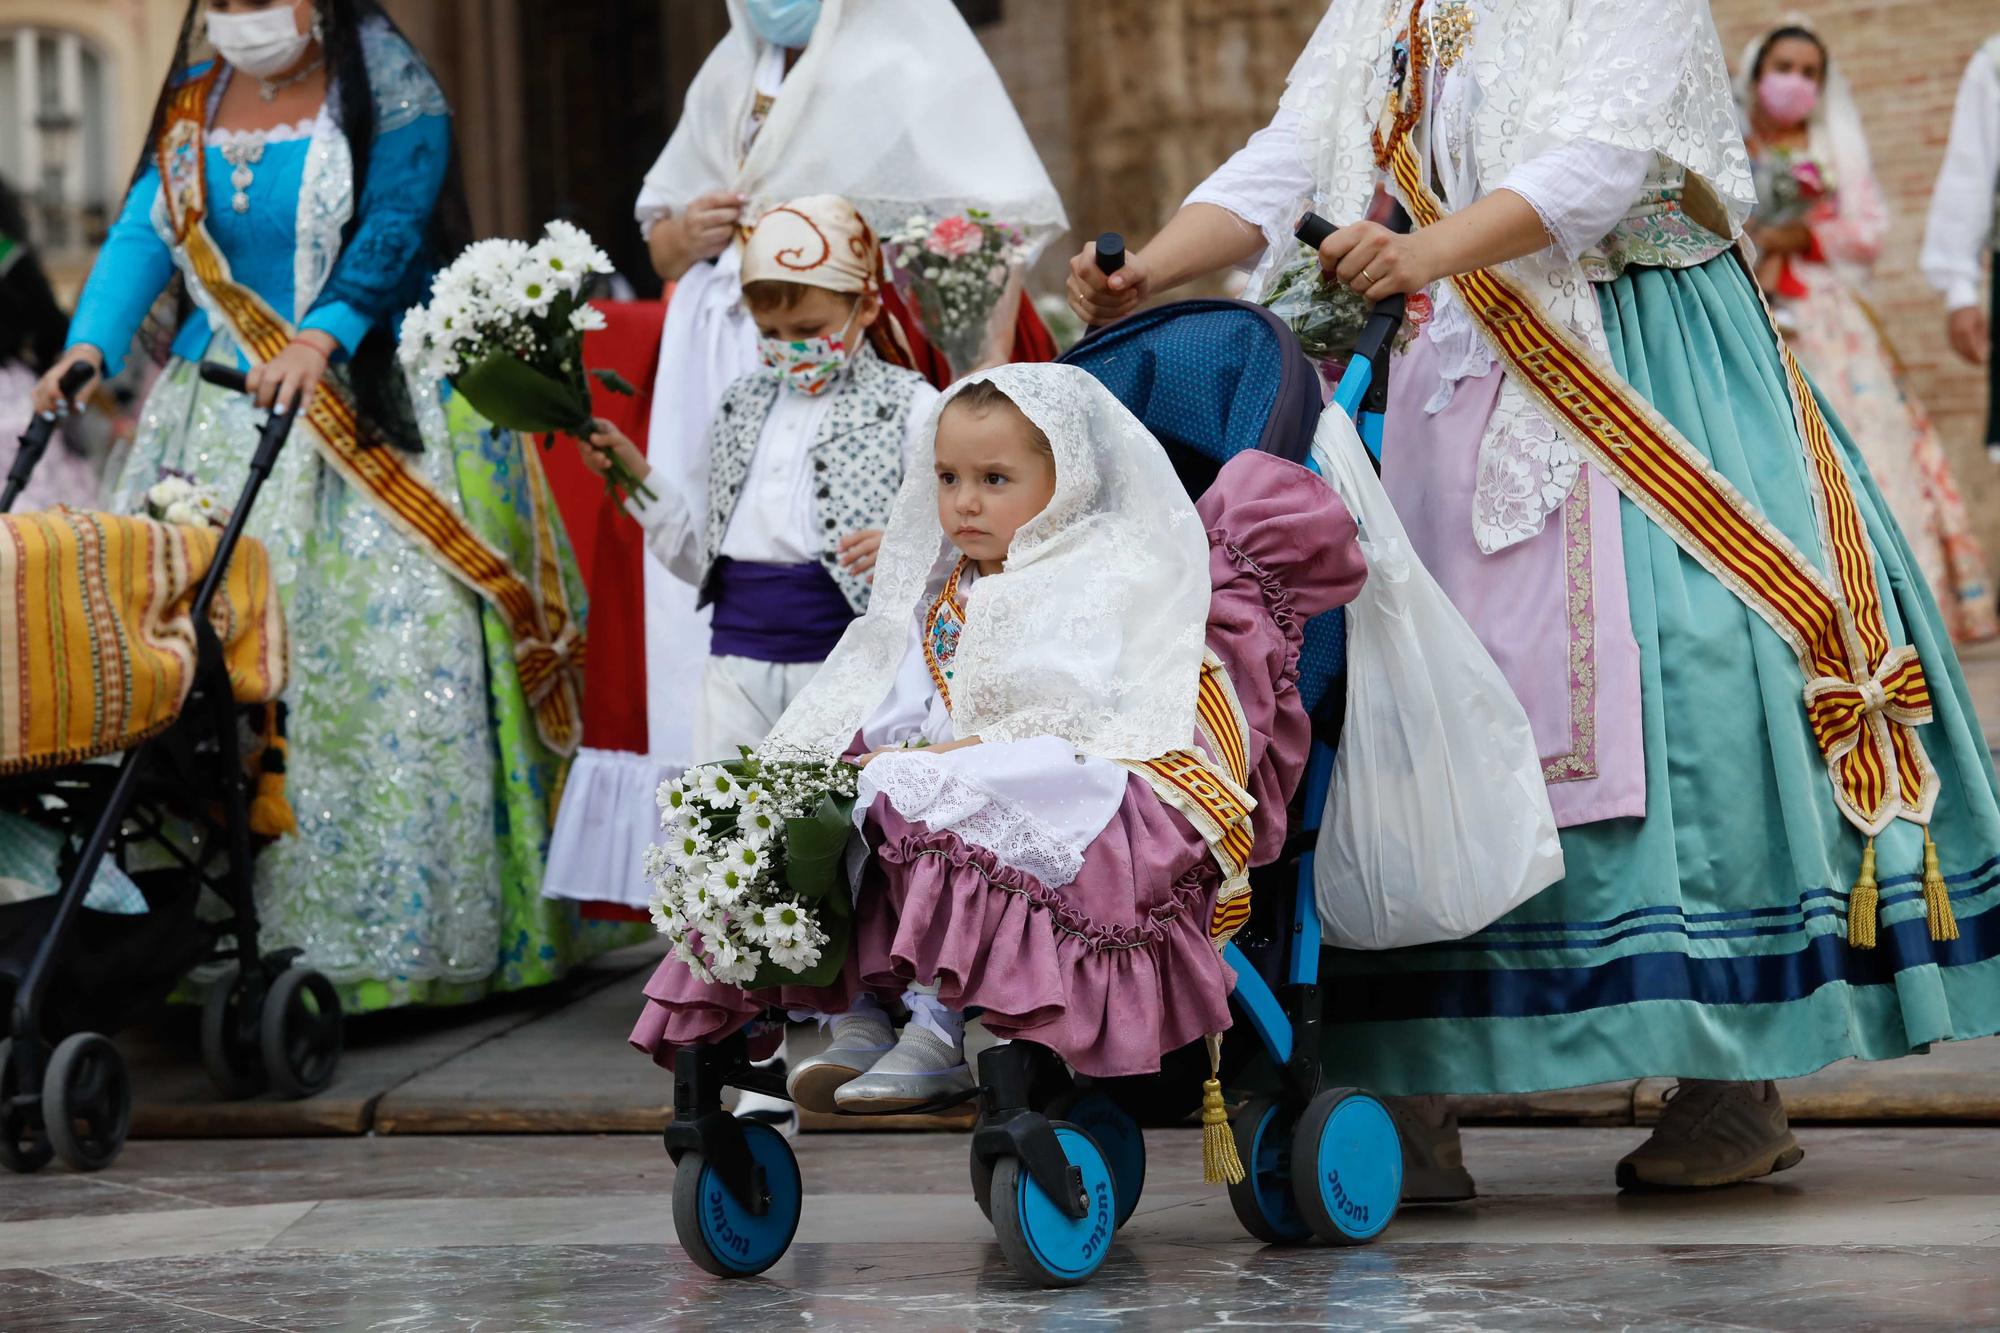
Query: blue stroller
pixel 1058 1161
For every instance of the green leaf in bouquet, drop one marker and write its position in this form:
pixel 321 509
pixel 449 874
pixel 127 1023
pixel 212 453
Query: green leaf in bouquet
pixel 816 856
pixel 515 396
pixel 615 382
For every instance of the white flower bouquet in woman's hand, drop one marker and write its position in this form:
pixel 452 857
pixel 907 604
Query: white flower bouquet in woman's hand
pixel 750 885
pixel 505 325
pixel 955 270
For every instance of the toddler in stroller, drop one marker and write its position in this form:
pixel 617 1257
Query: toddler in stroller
pixel 169 671
pixel 1098 676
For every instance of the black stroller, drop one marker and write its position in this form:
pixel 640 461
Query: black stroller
pixel 69 973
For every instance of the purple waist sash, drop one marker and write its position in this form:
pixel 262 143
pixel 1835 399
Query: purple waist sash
pixel 776 613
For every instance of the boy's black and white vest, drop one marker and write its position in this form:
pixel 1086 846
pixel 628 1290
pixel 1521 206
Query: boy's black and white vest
pixel 857 459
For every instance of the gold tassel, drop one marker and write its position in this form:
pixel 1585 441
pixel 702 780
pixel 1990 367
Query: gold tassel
pixel 270 811
pixel 1219 1163
pixel 1937 898
pixel 1864 903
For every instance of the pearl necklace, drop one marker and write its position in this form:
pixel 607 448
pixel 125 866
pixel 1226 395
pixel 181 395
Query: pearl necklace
pixel 269 89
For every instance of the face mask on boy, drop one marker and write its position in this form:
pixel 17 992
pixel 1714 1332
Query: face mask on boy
pixel 786 23
pixel 1787 97
pixel 260 43
pixel 811 365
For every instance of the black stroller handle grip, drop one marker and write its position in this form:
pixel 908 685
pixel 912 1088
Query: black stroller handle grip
pixel 225 377
pixel 41 429
pixel 1313 230
pixel 73 380
pixel 1110 253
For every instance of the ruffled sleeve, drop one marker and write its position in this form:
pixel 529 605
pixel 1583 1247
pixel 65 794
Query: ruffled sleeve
pixel 1282 549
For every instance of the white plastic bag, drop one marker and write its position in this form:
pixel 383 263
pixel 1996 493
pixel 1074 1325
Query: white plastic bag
pixel 1437 822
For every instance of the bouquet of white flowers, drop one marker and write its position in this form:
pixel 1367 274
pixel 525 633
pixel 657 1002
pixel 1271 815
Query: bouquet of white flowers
pixel 955 270
pixel 505 325
pixel 178 498
pixel 750 884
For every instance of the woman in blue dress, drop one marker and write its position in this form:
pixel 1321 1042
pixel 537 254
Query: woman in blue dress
pixel 422 784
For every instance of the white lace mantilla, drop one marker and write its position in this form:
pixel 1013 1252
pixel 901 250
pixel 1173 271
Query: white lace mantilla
pixel 925 791
pixel 1093 632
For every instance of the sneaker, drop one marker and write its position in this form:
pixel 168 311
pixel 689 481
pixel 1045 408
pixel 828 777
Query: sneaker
pixel 1713 1134
pixel 858 1041
pixel 922 1067
pixel 1433 1157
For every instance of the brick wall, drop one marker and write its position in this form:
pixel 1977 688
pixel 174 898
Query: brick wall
pixel 1133 101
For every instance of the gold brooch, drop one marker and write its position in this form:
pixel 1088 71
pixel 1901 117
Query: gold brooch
pixel 1451 32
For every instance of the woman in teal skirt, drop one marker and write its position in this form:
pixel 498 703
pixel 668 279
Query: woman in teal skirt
pixel 1720 920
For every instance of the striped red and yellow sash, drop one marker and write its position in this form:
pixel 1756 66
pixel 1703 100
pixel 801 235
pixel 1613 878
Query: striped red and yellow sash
pixel 1207 784
pixel 1863 696
pixel 548 643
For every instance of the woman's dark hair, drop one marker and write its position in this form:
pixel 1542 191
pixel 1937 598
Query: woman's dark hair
pixel 1788 32
pixel 376 379
pixel 33 327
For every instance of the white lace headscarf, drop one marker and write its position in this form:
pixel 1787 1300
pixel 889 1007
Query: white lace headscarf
pixel 893 105
pixel 1834 135
pixel 1093 633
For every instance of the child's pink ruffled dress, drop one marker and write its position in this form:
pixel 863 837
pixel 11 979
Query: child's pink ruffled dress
pixel 1116 968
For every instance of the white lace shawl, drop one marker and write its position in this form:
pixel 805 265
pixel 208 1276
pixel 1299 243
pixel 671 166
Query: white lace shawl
pixel 893 104
pixel 1092 634
pixel 1643 75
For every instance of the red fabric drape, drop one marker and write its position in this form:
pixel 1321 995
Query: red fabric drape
pixel 610 548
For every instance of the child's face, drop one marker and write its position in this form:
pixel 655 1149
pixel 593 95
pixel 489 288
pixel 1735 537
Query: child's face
pixel 993 476
pixel 818 314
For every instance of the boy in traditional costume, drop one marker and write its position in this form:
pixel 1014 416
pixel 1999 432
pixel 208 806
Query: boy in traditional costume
pixel 1061 647
pixel 1779 818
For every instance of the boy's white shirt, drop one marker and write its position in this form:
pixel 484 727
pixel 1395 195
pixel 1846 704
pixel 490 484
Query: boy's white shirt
pixel 1960 232
pixel 776 517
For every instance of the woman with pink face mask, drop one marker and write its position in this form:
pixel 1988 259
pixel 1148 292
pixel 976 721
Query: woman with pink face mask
pixel 1819 226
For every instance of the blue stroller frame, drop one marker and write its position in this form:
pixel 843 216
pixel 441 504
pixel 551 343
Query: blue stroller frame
pixel 1058 1161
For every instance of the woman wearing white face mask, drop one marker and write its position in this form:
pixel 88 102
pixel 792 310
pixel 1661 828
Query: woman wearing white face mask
pixel 1819 227
pixel 310 192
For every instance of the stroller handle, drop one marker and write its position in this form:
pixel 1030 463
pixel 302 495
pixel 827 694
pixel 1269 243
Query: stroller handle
pixel 270 440
pixel 1110 252
pixel 1364 389
pixel 41 429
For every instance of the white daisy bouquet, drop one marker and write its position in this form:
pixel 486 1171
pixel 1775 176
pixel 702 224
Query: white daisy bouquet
pixel 956 270
pixel 750 884
pixel 505 325
pixel 178 498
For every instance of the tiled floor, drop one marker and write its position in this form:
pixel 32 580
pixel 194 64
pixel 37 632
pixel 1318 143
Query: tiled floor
pixel 1878 1228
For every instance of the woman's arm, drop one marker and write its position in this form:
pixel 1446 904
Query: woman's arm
pixel 406 173
pixel 132 269
pixel 1225 223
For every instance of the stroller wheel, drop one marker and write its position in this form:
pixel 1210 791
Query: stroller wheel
pixel 1347 1166
pixel 716 1230
pixel 228 1043
pixel 1117 1134
pixel 87 1101
pixel 299 1033
pixel 982 1185
pixel 24 1145
pixel 1263 1199
pixel 1044 1244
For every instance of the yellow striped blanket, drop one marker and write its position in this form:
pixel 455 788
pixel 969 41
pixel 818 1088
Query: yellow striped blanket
pixel 97 647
